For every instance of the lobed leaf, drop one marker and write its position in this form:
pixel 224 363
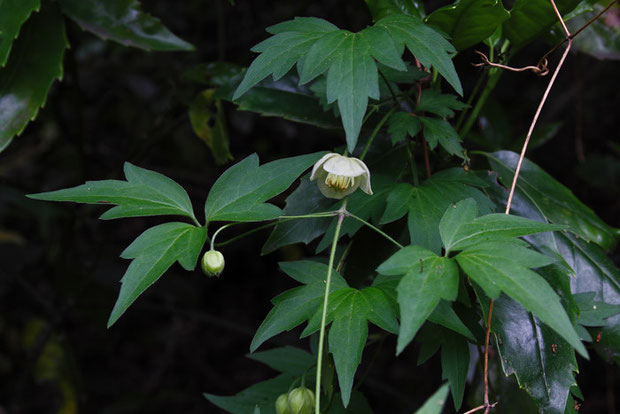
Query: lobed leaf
pixel 426 44
pixel 440 131
pixel 14 15
pixel 241 191
pixel 123 21
pixel 439 104
pixel 145 193
pixel 402 125
pixel 32 67
pixel 153 252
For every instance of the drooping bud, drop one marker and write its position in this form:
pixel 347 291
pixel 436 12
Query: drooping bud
pixel 301 401
pixel 212 263
pixel 282 405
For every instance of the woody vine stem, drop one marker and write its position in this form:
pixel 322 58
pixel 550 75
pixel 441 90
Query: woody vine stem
pixel 569 38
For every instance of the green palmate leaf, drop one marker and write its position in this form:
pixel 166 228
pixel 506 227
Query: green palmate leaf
pixel 556 202
pixel 454 365
pixel 540 359
pixel 241 191
pixel 381 8
pixel 154 251
pixel 403 124
pixel 306 199
pixel 278 54
pixel 204 111
pixel 469 21
pixel 34 64
pixel 145 193
pixel 503 266
pixel 530 19
pixel 14 14
pixel 427 45
pixel 434 405
pixel 439 104
pixel 459 228
pixel 427 203
pixel 299 304
pixel 440 131
pixel 288 359
pixel 428 278
pixel 123 21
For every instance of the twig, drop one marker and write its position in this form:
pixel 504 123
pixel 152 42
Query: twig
pixel 540 69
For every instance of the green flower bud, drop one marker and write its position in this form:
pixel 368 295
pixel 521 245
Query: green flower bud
pixel 212 263
pixel 282 405
pixel 301 401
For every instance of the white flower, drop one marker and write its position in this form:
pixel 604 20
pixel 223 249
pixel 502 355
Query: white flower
pixel 339 176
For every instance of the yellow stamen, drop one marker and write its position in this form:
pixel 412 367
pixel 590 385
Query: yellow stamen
pixel 339 182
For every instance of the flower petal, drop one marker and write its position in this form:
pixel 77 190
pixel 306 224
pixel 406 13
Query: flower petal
pixel 349 167
pixel 319 164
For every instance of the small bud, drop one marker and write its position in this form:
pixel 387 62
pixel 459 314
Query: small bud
pixel 212 263
pixel 282 405
pixel 301 401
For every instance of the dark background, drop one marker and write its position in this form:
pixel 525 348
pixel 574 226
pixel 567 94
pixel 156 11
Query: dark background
pixel 59 265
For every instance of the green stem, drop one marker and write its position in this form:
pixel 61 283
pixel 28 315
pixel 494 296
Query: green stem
pixel 494 75
pixel 473 94
pixel 218 232
pixel 414 167
pixel 361 220
pixel 375 131
pixel 328 280
pixel 281 219
pixel 196 222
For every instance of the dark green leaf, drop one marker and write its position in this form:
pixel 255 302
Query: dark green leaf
pixel 263 394
pixel 601 40
pixel 154 251
pixel 347 337
pixel 427 203
pixel 123 21
pixel 530 19
pixel 541 360
pixel 426 44
pixel 306 199
pixel 241 191
pixel 14 14
pixel 381 8
pixel 469 21
pixel 34 64
pixel 454 365
pixel 403 124
pixel 444 315
pixel 145 193
pixel 556 202
pixel 299 304
pixel 594 313
pixel 440 131
pixel 501 266
pixel 288 359
pixel 439 104
pixel 434 405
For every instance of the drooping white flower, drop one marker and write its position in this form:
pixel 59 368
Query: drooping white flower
pixel 339 176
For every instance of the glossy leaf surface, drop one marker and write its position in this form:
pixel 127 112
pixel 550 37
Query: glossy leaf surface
pixel 469 22
pixel 14 14
pixel 153 252
pixel 125 22
pixel 530 19
pixel 556 202
pixel 34 64
pixel 145 193
pixel 241 191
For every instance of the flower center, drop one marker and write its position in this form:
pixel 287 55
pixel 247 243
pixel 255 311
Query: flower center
pixel 339 182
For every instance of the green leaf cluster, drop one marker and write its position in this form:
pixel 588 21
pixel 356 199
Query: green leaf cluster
pixel 348 60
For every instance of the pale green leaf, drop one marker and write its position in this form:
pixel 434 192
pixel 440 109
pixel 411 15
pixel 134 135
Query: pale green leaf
pixel 153 252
